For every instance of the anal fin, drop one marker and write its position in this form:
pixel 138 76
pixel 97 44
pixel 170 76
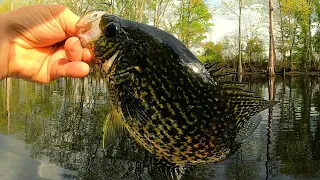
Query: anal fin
pixel 112 128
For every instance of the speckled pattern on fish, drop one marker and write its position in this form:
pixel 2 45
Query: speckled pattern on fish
pixel 163 94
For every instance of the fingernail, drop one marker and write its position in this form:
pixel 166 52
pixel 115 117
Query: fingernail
pixel 76 46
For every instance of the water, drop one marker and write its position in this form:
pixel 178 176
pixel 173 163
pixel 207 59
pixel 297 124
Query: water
pixel 55 131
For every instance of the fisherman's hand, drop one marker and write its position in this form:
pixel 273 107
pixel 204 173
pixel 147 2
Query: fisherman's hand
pixel 37 44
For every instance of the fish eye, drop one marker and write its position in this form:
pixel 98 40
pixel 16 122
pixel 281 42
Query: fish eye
pixel 111 30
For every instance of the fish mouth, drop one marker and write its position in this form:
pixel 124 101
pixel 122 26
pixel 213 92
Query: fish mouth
pixel 106 66
pixel 87 27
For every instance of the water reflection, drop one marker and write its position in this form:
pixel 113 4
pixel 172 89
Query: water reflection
pixel 297 144
pixel 61 128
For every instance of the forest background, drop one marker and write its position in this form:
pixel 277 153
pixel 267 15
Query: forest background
pixel 274 36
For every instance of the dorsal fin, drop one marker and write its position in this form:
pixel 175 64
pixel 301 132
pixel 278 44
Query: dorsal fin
pixel 245 103
pixel 248 128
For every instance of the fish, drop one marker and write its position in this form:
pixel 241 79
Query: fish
pixel 159 91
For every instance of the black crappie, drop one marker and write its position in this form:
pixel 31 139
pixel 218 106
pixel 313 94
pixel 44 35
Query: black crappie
pixel 163 94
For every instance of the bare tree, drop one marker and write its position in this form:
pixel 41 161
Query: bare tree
pixel 271 71
pixel 240 71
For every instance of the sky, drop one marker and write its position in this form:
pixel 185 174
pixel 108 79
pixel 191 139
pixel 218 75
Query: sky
pixel 222 26
pixel 227 23
pixel 214 3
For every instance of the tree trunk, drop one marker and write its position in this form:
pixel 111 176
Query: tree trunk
pixel 155 15
pixel 8 96
pixel 240 71
pixel 159 9
pixel 309 49
pixel 187 40
pixel 284 62
pixel 271 71
pixel 140 16
pixel 291 48
pixel 180 34
pixel 283 49
pixel 271 88
pixel 249 61
pixel 136 3
pixel 111 9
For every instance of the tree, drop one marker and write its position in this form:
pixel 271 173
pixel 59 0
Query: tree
pixel 288 28
pixel 296 31
pixel 239 70
pixel 159 7
pixel 212 53
pixel 126 9
pixel 254 50
pixel 283 48
pixel 304 22
pixel 229 51
pixel 139 8
pixel 249 14
pixel 316 37
pixel 271 71
pixel 193 22
pixel 78 7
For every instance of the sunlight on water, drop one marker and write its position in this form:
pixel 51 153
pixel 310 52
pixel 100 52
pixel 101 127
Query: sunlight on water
pixel 54 131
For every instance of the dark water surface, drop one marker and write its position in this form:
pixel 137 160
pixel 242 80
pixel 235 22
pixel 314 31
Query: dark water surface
pixel 55 132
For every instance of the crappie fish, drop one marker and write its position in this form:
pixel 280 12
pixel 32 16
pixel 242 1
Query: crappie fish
pixel 162 94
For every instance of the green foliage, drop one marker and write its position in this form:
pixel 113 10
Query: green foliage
pixel 296 30
pixel 316 42
pixel 158 9
pixel 125 8
pixel 212 53
pixel 316 37
pixel 254 49
pixel 298 57
pixel 78 7
pixel 230 50
pixel 8 5
pixel 191 26
pixel 193 22
pixel 317 11
pixel 189 20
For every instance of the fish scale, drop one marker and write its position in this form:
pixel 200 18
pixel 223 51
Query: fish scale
pixel 182 114
pixel 163 94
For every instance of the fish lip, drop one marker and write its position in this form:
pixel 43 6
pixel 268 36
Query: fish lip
pixel 106 66
pixel 87 27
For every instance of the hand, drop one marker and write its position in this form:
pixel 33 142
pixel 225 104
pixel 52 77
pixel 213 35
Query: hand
pixel 37 44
